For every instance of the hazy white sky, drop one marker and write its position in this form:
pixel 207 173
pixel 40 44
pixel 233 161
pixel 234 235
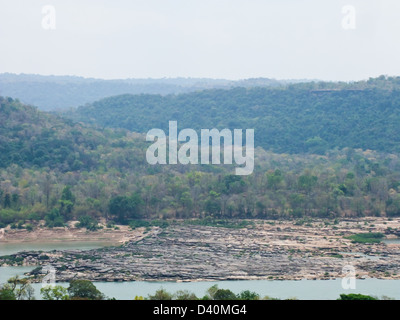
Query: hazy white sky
pixel 232 39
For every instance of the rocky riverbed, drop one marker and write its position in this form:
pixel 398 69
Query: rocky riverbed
pixel 266 250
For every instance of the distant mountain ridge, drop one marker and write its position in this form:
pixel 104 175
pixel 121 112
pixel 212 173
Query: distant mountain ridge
pixel 51 93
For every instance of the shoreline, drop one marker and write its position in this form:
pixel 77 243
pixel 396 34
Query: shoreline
pixel 124 234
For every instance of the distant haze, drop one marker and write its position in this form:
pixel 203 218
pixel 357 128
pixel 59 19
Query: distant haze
pixel 63 92
pixel 219 39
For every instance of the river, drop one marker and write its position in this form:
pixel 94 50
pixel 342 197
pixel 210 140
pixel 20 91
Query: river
pixel 303 289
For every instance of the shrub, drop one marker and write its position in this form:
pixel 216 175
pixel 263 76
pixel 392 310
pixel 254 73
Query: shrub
pixel 84 290
pixel 224 294
pixel 134 224
pixel 34 216
pixel 7 294
pixel 248 295
pixel 161 294
pixel 355 296
pixel 147 224
pixel 54 219
pixel 185 295
pixel 87 222
pixel 8 216
pixel 369 237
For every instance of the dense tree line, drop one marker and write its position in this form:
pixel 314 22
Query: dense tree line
pixel 344 183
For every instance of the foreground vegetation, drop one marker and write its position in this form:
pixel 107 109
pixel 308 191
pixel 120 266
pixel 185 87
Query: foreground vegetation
pixel 20 289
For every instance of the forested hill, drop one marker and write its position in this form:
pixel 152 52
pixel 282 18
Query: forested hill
pixel 296 119
pixel 30 138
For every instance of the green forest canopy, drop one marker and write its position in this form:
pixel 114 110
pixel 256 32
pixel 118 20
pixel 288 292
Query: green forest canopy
pixel 298 118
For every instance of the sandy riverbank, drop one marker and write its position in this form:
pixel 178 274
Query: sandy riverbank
pixel 119 235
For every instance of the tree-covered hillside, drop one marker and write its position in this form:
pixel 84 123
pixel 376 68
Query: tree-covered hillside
pixel 53 170
pixel 312 118
pixel 33 139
